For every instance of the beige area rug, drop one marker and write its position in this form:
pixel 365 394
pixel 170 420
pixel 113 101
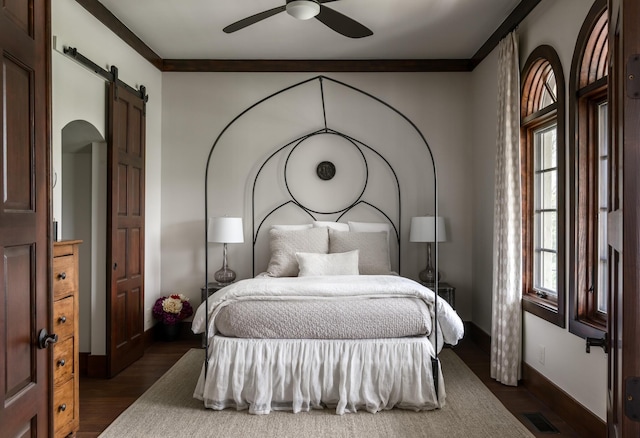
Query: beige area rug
pixel 168 409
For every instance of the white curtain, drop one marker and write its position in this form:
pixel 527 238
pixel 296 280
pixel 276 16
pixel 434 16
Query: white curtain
pixel 506 325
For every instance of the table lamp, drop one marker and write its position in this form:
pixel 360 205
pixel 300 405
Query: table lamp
pixel 428 229
pixel 225 230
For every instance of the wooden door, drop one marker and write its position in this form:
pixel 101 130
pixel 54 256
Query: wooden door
pixel 623 404
pixel 125 216
pixel 25 246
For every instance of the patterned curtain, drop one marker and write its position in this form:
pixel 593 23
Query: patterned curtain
pixel 506 324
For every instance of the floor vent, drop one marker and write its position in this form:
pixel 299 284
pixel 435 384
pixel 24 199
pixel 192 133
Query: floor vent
pixel 540 422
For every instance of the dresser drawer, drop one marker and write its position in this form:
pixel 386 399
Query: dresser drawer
pixel 64 276
pixel 63 362
pixel 64 318
pixel 63 408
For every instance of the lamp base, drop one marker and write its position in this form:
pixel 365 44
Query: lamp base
pixel 224 276
pixel 429 276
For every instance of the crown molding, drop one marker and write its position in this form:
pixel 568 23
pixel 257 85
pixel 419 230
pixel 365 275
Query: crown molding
pixel 317 65
pixel 510 23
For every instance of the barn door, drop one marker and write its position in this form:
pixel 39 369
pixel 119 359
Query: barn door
pixel 125 227
pixel 623 404
pixel 24 216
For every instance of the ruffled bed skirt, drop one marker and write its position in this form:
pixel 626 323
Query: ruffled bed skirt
pixel 262 375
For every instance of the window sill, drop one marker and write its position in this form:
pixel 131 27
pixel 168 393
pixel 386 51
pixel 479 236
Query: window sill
pixel 585 330
pixel 544 309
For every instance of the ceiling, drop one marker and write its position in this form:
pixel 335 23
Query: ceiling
pixel 402 29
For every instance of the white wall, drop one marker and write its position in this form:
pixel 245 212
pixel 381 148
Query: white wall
pixel 198 106
pixel 483 152
pixel 76 182
pixel 583 376
pixel 79 94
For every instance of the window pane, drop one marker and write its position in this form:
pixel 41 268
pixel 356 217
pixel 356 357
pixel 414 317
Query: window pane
pixel 546 148
pixel 603 204
pixel 548 230
pixel 549 94
pixel 545 220
pixel 549 277
pixel 548 190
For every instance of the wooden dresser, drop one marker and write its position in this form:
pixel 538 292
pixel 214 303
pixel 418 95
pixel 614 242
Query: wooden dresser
pixel 65 351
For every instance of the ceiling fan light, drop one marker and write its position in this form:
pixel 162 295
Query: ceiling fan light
pixel 303 9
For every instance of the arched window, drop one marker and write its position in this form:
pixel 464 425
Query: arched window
pixel 543 174
pixel 588 152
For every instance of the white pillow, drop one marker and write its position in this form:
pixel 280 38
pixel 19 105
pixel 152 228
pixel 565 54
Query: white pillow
pixel 340 226
pixel 291 227
pixel 371 227
pixel 284 244
pixel 373 258
pixel 342 263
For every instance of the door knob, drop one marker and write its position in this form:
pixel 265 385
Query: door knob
pixel 45 339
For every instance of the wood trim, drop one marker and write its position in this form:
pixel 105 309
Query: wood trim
pixel 583 421
pixel 94 366
pixel 478 336
pixel 578 169
pixel 510 23
pixel 99 11
pixel 552 311
pixel 317 65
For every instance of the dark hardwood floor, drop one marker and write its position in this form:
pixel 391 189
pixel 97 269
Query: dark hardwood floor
pixel 101 400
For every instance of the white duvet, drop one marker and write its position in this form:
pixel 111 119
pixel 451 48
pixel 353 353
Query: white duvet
pixel 450 326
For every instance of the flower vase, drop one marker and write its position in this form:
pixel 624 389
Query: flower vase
pixel 169 332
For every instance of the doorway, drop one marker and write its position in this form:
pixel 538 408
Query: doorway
pixel 83 216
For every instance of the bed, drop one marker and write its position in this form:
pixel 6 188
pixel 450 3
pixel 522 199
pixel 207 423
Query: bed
pixel 328 337
pixel 329 323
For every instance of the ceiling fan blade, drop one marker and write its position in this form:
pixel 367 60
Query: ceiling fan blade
pixel 253 19
pixel 342 24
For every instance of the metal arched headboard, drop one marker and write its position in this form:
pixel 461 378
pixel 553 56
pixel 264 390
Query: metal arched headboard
pixel 256 223
pixel 326 129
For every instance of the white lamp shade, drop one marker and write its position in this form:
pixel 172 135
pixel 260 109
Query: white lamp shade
pixel 225 230
pixel 303 9
pixel 425 229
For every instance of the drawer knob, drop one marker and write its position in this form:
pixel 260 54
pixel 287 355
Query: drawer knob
pixel 62 275
pixel 62 319
pixel 62 407
pixel 61 362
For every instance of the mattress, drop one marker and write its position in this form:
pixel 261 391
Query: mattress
pixel 325 319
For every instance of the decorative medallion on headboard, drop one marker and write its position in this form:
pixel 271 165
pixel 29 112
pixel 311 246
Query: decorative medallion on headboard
pixel 326 170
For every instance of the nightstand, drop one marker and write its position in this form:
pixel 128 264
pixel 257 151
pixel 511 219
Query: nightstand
pixel 445 291
pixel 204 291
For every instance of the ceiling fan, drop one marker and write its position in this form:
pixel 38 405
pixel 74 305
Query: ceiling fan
pixel 304 10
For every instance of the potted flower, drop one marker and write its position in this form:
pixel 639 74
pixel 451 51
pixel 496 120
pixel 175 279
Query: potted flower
pixel 170 311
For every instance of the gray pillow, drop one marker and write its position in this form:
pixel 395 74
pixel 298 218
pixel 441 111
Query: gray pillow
pixel 373 257
pixel 284 244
